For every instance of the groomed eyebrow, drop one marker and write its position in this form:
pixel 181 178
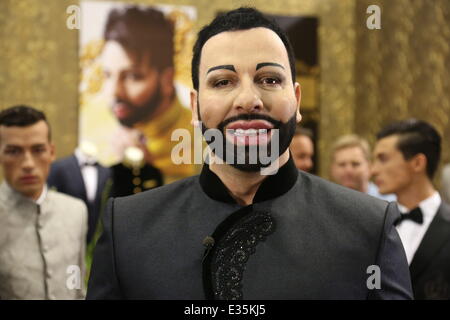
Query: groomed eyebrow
pixel 265 64
pixel 225 66
pixel 12 146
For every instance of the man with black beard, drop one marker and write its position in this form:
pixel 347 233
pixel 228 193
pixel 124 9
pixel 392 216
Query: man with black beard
pixel 250 157
pixel 233 232
pixel 137 61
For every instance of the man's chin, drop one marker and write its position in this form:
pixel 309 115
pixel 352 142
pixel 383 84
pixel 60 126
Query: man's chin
pixel 250 167
pixel 349 185
pixel 30 190
pixel 128 117
pixel 129 123
pixel 246 158
pixel 384 191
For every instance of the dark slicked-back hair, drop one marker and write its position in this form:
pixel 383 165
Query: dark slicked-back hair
pixel 416 136
pixel 142 31
pixel 238 19
pixel 22 116
pixel 302 131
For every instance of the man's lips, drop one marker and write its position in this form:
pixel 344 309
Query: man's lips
pixel 252 124
pixel 247 133
pixel 121 110
pixel 29 179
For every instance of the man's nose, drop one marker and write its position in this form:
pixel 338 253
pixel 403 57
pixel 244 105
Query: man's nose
pixel 119 88
pixel 373 170
pixel 28 161
pixel 309 163
pixel 248 99
pixel 114 87
pixel 349 169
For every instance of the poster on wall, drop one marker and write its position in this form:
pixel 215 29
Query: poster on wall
pixel 135 80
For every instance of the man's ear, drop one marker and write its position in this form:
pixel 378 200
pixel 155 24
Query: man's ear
pixel 419 163
pixel 298 98
pixel 52 152
pixel 166 80
pixel 194 109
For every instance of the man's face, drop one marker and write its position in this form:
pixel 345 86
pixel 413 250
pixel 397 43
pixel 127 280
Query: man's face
pixel 25 156
pixel 302 150
pixel 134 86
pixel 350 168
pixel 391 172
pixel 246 89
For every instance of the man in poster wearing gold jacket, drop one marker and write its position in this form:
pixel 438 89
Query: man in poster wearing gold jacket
pixel 139 74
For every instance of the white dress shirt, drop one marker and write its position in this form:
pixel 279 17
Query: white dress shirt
pixel 41 198
pixel 90 174
pixel 412 233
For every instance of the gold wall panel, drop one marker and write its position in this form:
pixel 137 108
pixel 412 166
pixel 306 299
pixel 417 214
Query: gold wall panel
pixel 39 64
pixel 403 70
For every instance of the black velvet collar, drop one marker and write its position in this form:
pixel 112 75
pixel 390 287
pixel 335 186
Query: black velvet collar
pixel 273 186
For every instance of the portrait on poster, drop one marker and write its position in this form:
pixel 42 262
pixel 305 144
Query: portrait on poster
pixel 135 79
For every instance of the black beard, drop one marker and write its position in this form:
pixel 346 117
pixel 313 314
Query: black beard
pixel 143 112
pixel 241 161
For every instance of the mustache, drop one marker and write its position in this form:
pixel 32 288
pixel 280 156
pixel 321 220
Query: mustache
pixel 248 117
pixel 121 101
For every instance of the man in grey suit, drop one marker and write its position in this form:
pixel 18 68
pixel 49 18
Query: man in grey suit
pixel 42 232
pixel 246 229
pixel 406 158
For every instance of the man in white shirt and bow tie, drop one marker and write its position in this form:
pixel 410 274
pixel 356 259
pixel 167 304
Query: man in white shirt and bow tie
pixel 406 157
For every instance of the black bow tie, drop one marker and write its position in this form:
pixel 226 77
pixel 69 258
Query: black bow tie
pixel 88 164
pixel 415 215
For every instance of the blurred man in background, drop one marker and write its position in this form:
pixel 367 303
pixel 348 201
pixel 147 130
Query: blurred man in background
pixel 350 165
pixel 81 176
pixel 406 158
pixel 42 232
pixel 139 76
pixel 302 149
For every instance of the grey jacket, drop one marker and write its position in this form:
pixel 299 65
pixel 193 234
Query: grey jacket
pixel 42 247
pixel 302 238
